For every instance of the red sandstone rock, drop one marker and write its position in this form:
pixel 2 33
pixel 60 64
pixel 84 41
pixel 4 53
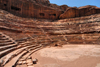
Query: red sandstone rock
pixel 29 8
pixel 44 10
pixel 43 2
pixel 64 7
pixel 78 12
pixel 70 13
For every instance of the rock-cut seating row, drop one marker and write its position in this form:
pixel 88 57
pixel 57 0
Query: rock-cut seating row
pixel 11 51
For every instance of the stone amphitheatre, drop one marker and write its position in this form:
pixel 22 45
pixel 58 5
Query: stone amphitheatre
pixel 54 36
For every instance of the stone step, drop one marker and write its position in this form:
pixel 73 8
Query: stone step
pixel 12 62
pixel 3 41
pixel 8 43
pixel 16 52
pixel 26 44
pixel 25 48
pixel 6 47
pixel 35 47
pixel 25 57
pixel 32 51
pixel 41 40
pixel 3 38
pixel 5 52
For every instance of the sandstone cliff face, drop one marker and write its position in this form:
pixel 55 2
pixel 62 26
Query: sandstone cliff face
pixel 43 9
pixel 43 2
pixel 64 7
pixel 78 12
pixel 70 13
pixel 34 9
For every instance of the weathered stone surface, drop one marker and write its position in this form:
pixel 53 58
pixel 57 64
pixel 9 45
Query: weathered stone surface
pixel 45 10
pixel 35 61
pixel 70 13
pixel 64 7
pixel 44 2
pixel 81 11
pixel 27 8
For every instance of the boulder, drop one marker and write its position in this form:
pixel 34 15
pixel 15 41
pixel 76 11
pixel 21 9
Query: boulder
pixel 35 61
pixel 78 12
pixel 64 7
pixel 70 13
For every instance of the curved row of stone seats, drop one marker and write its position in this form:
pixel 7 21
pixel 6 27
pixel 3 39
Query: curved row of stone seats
pixel 10 39
pixel 27 55
pixel 35 39
pixel 3 38
pixel 7 45
pixel 3 41
pixel 5 52
pixel 19 54
pixel 33 48
pixel 15 53
pixel 19 28
pixel 22 47
pixel 12 62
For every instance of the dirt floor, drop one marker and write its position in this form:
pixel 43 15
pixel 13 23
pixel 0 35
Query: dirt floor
pixel 68 56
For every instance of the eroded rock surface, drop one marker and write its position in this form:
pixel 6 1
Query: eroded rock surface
pixel 81 11
pixel 45 10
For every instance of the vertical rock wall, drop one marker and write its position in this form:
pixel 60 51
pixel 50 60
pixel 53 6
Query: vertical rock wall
pixel 43 9
pixel 30 9
pixel 78 12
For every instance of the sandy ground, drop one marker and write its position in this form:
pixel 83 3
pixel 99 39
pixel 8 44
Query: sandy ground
pixel 68 56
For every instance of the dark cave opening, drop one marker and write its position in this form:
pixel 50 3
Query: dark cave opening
pixel 42 14
pixel 15 8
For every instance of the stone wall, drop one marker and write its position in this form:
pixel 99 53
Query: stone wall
pixel 70 13
pixel 78 12
pixel 43 9
pixel 29 9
